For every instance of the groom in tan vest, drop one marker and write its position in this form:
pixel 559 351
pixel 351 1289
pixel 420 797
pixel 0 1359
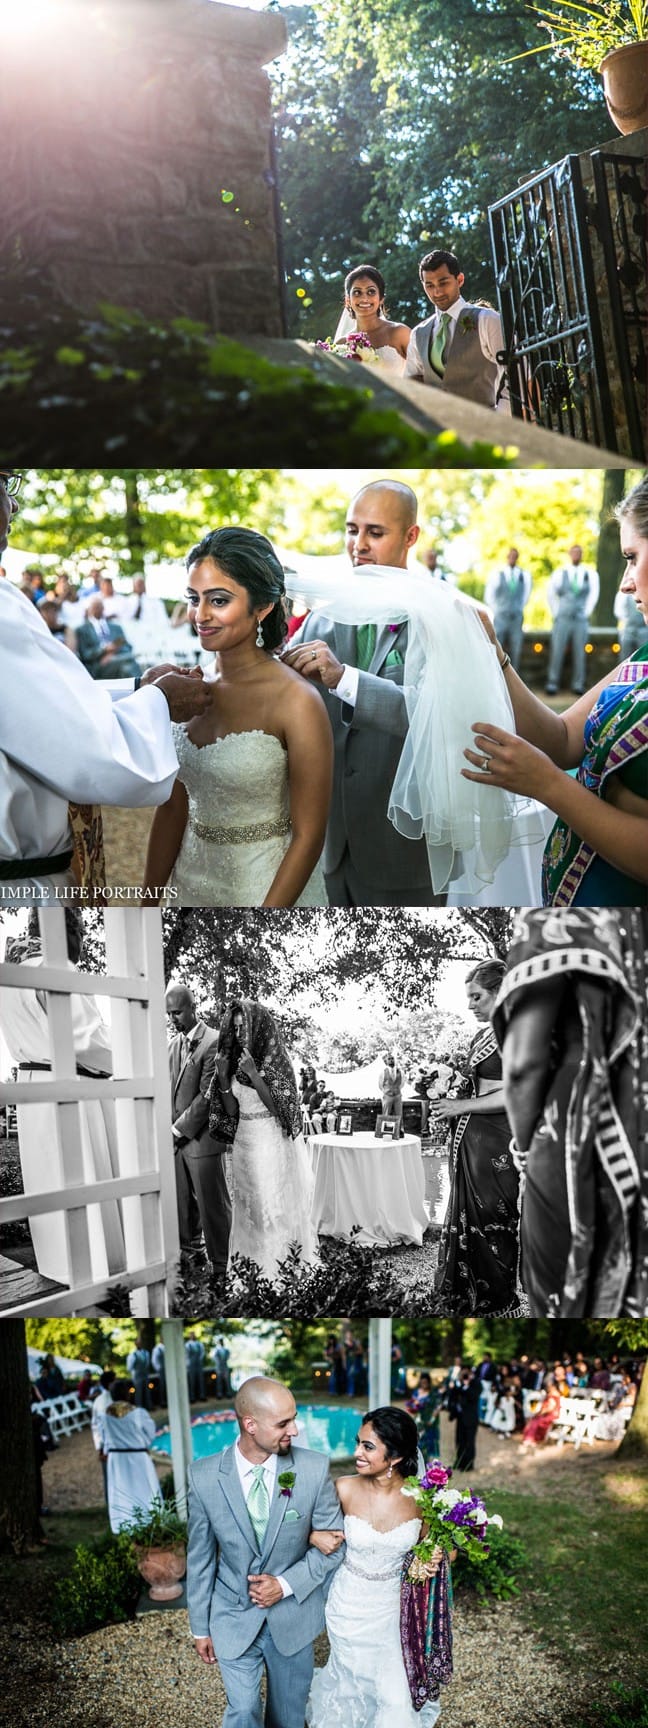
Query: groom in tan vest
pixel 457 348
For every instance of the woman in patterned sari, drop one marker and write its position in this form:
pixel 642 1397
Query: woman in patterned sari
pixel 572 1022
pixel 478 1254
pixel 597 852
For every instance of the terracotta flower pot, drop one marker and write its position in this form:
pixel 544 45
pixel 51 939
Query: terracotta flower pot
pixel 162 1567
pixel 625 83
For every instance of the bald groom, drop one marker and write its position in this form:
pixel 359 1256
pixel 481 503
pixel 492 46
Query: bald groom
pixel 359 669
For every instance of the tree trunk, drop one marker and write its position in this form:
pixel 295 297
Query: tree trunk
pixel 635 1440
pixel 609 561
pixel 19 1508
pixel 134 525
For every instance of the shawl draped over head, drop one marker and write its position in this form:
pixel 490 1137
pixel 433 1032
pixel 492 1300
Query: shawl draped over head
pixel 599 1132
pixel 261 1037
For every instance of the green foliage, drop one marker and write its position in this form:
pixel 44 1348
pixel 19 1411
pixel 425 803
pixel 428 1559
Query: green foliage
pixel 398 126
pixel 497 1575
pixel 101 1589
pixel 149 393
pixel 584 32
pixel 624 1709
pixel 159 1527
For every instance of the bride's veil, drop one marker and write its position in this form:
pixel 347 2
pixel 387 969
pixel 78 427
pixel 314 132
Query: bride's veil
pixel 451 678
pixel 346 325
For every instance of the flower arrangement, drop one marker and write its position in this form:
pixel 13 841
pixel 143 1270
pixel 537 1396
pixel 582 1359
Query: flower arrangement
pixel 454 1519
pixel 355 346
pixel 286 1480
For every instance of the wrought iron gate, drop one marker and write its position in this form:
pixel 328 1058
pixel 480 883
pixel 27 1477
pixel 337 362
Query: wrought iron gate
pixel 569 249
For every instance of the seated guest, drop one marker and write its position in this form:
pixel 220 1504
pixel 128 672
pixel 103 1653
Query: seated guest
pixel 102 646
pixel 142 608
pixel 50 610
pixel 600 1376
pixel 71 609
pixel 539 1426
pixel 113 603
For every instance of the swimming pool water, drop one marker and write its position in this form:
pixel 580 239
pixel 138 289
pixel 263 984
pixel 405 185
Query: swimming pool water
pixel 329 1428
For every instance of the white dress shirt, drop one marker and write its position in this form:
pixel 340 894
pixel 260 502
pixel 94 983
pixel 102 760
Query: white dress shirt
pixel 246 1479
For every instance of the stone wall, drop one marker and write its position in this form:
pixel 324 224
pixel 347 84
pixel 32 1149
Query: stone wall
pixel 124 122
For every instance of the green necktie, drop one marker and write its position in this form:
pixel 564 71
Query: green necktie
pixel 258 1504
pixel 438 350
pixel 366 646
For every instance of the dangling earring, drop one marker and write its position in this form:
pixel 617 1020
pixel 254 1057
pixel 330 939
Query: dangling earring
pixel 390 1472
pixel 259 635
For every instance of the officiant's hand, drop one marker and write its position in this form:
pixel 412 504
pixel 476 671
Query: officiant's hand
pixel 315 660
pixel 507 761
pixel 155 672
pixel 205 1650
pixel 264 1589
pixel 186 693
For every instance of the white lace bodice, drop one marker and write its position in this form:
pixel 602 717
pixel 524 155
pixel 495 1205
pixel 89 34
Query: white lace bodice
pixel 239 782
pixel 377 1554
pixel 238 826
pixel 390 357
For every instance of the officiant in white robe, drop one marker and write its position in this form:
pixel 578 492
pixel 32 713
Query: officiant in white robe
pixel 131 1481
pixel 66 738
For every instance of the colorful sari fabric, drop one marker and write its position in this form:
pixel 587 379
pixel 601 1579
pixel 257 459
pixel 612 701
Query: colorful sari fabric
pixel 538 1426
pixel 478 1252
pixel 584 1223
pixel 262 1038
pixel 616 742
pixel 426 1632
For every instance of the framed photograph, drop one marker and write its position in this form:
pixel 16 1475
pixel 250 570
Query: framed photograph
pixel 386 1128
pixel 345 1122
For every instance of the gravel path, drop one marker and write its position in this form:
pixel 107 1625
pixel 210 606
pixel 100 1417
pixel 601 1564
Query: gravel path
pixel 145 1672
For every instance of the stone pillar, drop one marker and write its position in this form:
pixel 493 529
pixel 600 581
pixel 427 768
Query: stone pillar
pixel 124 123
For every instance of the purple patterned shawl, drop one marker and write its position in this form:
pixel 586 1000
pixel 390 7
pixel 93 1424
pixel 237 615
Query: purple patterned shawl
pixel 426 1632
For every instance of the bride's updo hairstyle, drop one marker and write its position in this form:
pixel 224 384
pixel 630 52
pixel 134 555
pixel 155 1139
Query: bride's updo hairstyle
pixel 489 974
pixel 251 561
pixel 635 508
pixel 399 1436
pixel 374 276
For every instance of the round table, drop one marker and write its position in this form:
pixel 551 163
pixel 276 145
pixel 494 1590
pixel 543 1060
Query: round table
pixel 376 1184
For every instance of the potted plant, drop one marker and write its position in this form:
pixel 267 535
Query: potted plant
pixel 159 1537
pixel 610 37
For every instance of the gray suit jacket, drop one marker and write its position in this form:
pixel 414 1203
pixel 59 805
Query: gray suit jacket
pixel 223 1550
pixel 190 1083
pixel 368 741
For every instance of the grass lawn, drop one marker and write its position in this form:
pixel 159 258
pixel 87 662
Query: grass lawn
pixel 585 1591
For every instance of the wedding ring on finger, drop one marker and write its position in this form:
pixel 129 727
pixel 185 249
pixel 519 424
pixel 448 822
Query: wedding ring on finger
pixel 314 654
pixel 485 764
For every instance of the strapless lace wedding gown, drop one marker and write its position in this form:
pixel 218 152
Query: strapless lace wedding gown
pixel 364 1684
pixel 238 828
pixel 390 357
pixel 272 1188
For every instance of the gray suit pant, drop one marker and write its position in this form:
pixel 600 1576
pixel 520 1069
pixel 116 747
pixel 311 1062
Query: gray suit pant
pixel 345 887
pixel 289 1683
pixel 202 1190
pixel 568 631
pixel 509 631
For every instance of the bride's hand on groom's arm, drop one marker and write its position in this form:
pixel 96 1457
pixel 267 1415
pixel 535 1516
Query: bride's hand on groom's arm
pixel 505 760
pixel 316 661
pixel 327 1541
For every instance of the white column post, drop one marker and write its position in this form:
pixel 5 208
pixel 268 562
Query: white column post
pixel 380 1343
pixel 178 1406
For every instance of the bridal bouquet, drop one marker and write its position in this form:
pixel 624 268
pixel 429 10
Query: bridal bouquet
pixel 454 1519
pixel 355 346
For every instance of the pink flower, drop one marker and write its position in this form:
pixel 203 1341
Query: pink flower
pixel 436 1475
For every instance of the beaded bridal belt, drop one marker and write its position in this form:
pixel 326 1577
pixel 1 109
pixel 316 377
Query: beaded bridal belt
pixel 241 836
pixel 372 1577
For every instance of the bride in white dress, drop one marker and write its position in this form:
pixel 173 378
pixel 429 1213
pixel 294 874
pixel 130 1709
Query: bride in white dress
pixel 254 1105
pixel 364 1683
pixel 364 311
pixel 246 819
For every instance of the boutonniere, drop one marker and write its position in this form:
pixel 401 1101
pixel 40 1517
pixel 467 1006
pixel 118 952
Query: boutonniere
pixel 467 323
pixel 286 1480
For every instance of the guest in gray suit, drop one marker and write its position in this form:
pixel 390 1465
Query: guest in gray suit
pixel 359 670
pixel 201 1181
pixel 255 1585
pixel 457 348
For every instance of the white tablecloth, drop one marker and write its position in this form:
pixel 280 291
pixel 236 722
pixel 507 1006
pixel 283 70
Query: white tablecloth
pixel 378 1184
